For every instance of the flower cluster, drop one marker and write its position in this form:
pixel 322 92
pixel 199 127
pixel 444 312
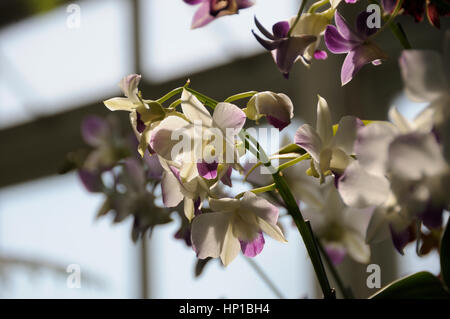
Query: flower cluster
pixel 346 184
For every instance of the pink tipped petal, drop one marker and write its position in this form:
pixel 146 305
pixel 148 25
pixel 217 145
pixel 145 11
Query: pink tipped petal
pixel 335 42
pixel 202 16
pixel 307 138
pixel 320 55
pixel 253 248
pixel 94 129
pixel 129 86
pixel 207 170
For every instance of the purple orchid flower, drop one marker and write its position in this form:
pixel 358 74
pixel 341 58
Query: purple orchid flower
pixel 357 45
pixel 286 49
pixel 210 10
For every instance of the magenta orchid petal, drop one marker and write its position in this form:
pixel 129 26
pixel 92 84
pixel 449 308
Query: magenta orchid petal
pixel 290 50
pixel 335 42
pixel 244 4
pixel 266 44
pixel 253 248
pixel 357 58
pixel 202 16
pixel 336 254
pixel 345 30
pixel 207 170
pixel 263 30
pixel 320 55
pixel 226 178
pixel 140 126
pixel 388 5
pixel 93 130
pixel 280 29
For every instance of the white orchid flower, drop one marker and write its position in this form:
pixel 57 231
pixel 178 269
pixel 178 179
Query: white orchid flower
pixel 235 224
pixel 425 77
pixel 195 163
pixel 340 227
pixel 144 115
pixel 329 153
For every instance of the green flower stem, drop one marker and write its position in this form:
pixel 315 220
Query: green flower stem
pixel 240 96
pixel 317 5
pixel 258 190
pixel 293 162
pixel 169 95
pixel 306 233
pixel 299 14
pixel 346 291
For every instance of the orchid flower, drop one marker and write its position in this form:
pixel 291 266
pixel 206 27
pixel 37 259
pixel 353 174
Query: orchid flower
pixel 399 171
pixel 233 225
pixel 286 49
pixel 208 151
pixel 357 45
pixel 210 10
pixel 340 227
pixel 330 154
pixel 312 24
pixel 277 108
pixel 144 115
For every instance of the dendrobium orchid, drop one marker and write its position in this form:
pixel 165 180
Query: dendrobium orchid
pixel 144 115
pixel 277 108
pixel 357 45
pixel 340 227
pixel 312 24
pixel 330 154
pixel 233 225
pixel 206 152
pixel 286 48
pixel 210 10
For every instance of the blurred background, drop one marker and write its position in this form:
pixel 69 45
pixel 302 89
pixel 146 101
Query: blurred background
pixel 53 73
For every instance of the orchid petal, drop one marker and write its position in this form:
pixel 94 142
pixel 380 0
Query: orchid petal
pixel 346 134
pixel 228 116
pixel 372 146
pixel 170 188
pixel 423 75
pixel 360 189
pixel 335 42
pixel 94 129
pixel 208 234
pixel 356 247
pixel 194 109
pixel 120 104
pixel 202 16
pixel 231 247
pixel 357 58
pixel 324 126
pixel 253 248
pixel 307 138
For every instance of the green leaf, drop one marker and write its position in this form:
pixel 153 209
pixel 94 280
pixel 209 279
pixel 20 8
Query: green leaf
pixel 421 285
pixel 445 256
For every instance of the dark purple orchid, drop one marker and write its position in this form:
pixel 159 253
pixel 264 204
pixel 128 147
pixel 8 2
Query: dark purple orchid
pixel 357 45
pixel 285 48
pixel 210 10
